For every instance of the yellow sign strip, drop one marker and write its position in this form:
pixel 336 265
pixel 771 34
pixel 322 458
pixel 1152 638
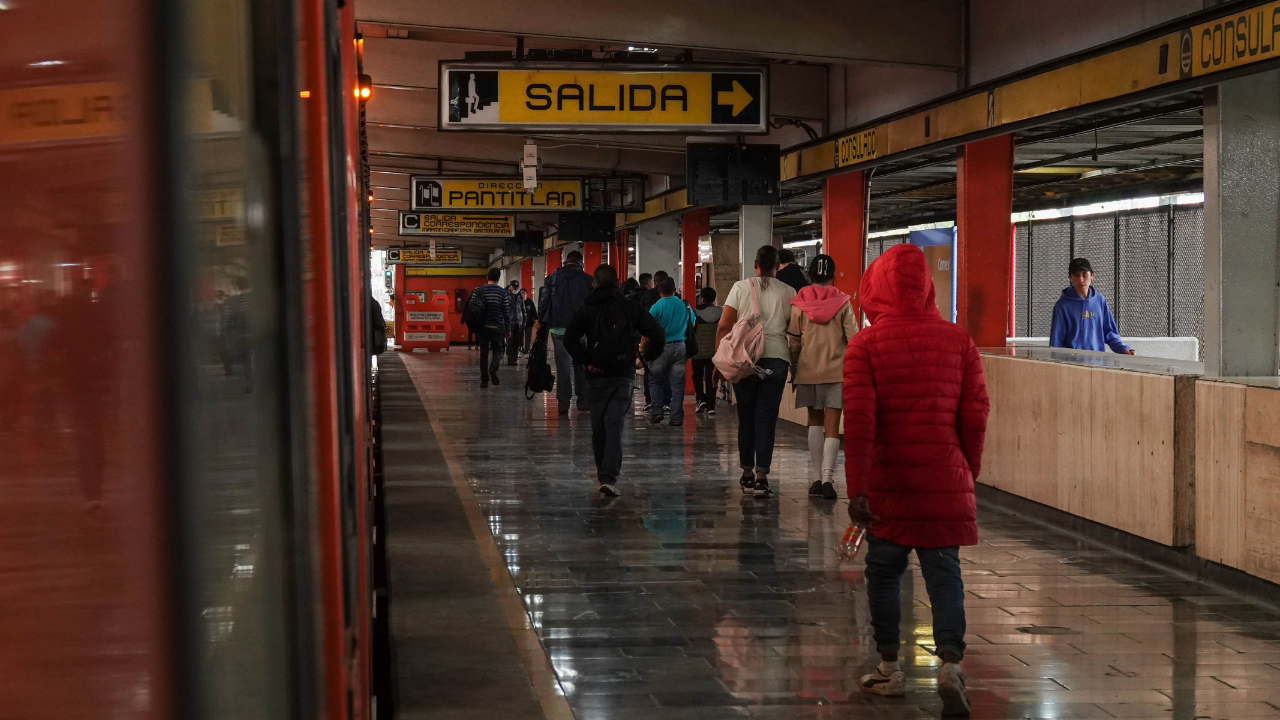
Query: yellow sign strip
pixel 1249 36
pixel 664 204
pixel 538 96
pixel 62 112
pixel 502 194
pixel 456 224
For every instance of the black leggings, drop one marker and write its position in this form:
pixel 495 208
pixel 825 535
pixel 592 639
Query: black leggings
pixel 703 386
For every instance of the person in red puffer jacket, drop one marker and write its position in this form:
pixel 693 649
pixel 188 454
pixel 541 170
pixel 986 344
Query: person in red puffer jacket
pixel 915 415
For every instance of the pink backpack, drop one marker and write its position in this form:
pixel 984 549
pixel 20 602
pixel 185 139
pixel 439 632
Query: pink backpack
pixel 741 349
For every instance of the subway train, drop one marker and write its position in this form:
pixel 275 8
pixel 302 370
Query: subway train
pixel 186 428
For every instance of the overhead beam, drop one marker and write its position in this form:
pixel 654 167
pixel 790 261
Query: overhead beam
pixel 902 32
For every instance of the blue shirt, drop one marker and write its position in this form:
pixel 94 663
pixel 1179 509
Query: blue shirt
pixel 1084 323
pixel 674 317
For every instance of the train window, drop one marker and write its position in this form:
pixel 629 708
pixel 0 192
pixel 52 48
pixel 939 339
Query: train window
pixel 234 487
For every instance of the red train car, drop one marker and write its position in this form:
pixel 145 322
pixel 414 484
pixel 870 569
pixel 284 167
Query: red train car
pixel 185 426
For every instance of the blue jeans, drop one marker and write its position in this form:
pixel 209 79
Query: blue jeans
pixel 886 562
pixel 758 402
pixel 666 381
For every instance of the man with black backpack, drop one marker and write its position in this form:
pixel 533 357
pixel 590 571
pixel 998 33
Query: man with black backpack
pixel 612 327
pixel 488 314
pixel 561 297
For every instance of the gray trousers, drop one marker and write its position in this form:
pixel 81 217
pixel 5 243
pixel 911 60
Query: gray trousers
pixel 571 379
pixel 610 400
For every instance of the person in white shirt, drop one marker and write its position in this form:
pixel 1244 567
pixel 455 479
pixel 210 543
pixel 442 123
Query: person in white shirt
pixel 759 397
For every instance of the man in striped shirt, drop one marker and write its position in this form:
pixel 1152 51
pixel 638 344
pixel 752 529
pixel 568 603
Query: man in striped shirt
pixel 497 320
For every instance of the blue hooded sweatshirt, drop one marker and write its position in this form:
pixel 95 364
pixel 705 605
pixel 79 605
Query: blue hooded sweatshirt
pixel 1084 323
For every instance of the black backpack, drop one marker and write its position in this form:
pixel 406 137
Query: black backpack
pixel 473 314
pixel 613 342
pixel 538 377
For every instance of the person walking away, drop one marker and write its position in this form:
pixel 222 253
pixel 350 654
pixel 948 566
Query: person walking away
pixel 563 294
pixel 630 287
pixel 915 416
pixel 652 294
pixel 1081 318
pixel 612 327
pixel 759 397
pixel 708 317
pixel 822 323
pixel 789 272
pixel 517 322
pixel 530 319
pixel 666 373
pixel 490 335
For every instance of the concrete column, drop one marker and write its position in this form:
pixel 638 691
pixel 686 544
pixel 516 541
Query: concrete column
pixel 844 199
pixel 755 228
pixel 693 225
pixel 658 245
pixel 984 232
pixel 1242 226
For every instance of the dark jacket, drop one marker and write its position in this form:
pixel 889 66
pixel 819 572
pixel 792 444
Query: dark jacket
pixel 705 327
pixel 517 309
pixel 649 297
pixel 586 321
pixel 794 276
pixel 530 311
pixel 563 294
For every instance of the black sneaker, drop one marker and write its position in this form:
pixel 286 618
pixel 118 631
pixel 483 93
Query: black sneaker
pixel 711 412
pixel 748 482
pixel 655 419
pixel 815 490
pixel 702 407
pixel 494 379
pixel 484 380
pixel 762 490
pixel 828 491
pixel 607 488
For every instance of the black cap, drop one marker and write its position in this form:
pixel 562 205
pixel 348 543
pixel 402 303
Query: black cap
pixel 1079 265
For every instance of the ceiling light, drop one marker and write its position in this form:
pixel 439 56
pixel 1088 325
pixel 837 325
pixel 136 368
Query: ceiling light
pixel 42 63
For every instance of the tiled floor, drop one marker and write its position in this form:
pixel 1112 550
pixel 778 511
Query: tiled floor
pixel 681 599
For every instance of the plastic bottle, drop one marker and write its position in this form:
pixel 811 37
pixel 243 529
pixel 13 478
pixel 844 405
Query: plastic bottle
pixel 851 541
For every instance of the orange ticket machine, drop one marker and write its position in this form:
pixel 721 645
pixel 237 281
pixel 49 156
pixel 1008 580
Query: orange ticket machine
pixel 434 290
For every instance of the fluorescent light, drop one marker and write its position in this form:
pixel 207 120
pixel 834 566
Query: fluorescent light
pixel 4 5
pixel 802 243
pixel 888 233
pixel 42 63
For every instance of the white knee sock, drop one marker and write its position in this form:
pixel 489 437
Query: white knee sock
pixel 816 436
pixel 830 454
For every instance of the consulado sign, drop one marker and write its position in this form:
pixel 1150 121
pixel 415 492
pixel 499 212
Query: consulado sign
pixel 603 97
pixel 494 194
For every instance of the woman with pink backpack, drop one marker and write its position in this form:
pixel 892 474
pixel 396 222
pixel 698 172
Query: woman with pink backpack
pixel 753 354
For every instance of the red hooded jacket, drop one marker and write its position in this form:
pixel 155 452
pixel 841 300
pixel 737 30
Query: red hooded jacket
pixel 915 409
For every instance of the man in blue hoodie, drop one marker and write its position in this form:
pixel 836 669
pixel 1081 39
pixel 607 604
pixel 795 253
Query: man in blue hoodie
pixel 1081 318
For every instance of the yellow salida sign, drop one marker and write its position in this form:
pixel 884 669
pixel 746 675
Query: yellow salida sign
pixel 599 97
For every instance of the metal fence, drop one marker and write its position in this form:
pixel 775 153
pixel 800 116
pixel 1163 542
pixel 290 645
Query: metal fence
pixel 1148 263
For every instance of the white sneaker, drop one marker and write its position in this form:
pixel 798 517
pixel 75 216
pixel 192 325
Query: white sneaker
pixel 951 689
pixel 893 685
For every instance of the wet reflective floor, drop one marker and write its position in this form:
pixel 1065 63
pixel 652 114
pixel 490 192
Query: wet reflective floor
pixel 682 599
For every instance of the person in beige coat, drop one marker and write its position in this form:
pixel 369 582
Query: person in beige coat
pixel 822 323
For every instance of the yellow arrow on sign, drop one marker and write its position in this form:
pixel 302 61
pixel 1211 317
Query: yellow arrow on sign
pixel 738 97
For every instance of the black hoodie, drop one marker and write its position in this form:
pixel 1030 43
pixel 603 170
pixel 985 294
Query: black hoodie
pixel 613 355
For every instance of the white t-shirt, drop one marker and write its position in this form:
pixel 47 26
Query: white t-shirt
pixel 775 310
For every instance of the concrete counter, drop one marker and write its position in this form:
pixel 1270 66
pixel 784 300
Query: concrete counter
pixel 1106 437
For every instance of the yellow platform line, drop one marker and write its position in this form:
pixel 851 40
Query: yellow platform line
pixel 542 676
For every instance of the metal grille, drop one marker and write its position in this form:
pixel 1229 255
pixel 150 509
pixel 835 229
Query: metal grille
pixel 1095 241
pixel 1050 255
pixel 1020 275
pixel 1188 272
pixel 877 246
pixel 1141 306
pixel 1147 296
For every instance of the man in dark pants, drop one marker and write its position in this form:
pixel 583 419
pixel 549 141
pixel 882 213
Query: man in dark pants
pixel 517 322
pixel 612 326
pixel 497 318
pixel 561 297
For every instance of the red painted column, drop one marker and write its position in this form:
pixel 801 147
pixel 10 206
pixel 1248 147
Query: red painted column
pixel 553 260
pixel 844 209
pixel 984 261
pixel 693 225
pixel 618 253
pixel 526 274
pixel 590 256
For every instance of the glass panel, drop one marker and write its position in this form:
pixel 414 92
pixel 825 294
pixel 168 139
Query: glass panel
pixel 234 476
